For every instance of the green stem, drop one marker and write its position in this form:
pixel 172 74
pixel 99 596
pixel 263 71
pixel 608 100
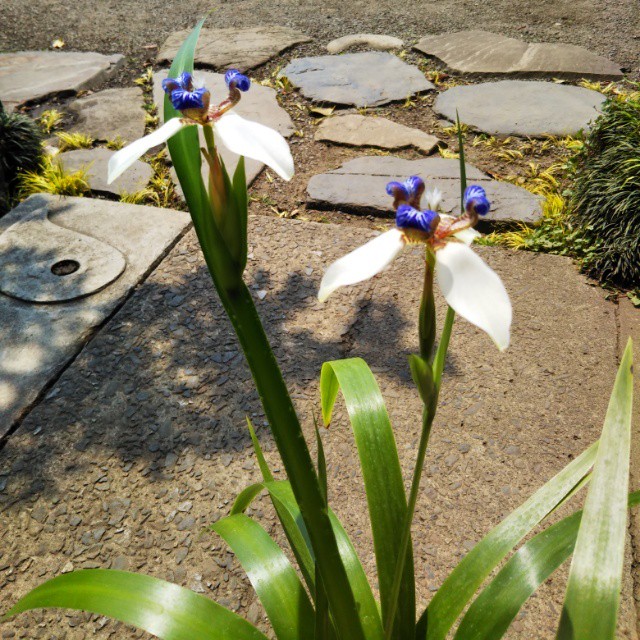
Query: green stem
pixel 427 317
pixel 428 415
pixel 293 449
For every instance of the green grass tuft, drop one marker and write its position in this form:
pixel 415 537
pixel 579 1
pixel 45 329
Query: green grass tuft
pixel 604 201
pixel 51 177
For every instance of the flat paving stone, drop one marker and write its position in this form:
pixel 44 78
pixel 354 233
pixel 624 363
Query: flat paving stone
pixel 358 186
pixel 371 40
pixel 364 79
pixel 259 104
pixel 482 53
pixel 114 245
pixel 109 114
pixel 521 107
pixel 95 162
pixel 145 434
pixel 241 49
pixel 29 76
pixel 359 131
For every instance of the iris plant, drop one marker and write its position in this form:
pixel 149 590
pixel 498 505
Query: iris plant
pixel 469 285
pixel 241 136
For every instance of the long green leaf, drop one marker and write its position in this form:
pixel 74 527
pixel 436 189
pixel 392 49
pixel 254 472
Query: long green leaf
pixel 490 615
pixel 595 579
pixel 458 589
pixel 284 499
pixel 272 576
pixel 161 608
pixel 382 477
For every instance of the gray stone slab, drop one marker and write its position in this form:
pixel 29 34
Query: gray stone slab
pixel 115 246
pixel 358 186
pixel 95 162
pixel 521 107
pixel 110 114
pixel 29 76
pixel 259 104
pixel 364 79
pixel 360 131
pixel 371 40
pixel 241 49
pixel 482 52
pixel 142 442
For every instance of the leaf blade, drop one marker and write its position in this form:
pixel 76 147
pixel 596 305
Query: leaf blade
pixel 272 576
pixel 595 578
pixel 161 608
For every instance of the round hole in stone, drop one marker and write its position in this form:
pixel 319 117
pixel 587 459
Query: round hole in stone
pixel 65 267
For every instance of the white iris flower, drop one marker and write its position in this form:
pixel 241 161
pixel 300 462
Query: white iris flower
pixel 244 137
pixel 468 284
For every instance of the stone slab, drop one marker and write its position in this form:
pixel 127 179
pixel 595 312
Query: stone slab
pixel 241 49
pixel 30 76
pixel 485 53
pixel 37 340
pixel 95 162
pixel 142 442
pixel 521 107
pixel 371 40
pixel 365 131
pixel 358 186
pixel 110 114
pixel 259 104
pixel 364 79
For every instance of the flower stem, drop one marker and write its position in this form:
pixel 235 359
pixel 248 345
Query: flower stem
pixel 428 415
pixel 427 317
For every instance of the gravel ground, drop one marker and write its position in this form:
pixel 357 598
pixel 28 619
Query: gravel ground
pixel 132 26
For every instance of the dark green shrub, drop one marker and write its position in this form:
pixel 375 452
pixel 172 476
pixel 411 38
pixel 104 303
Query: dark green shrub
pixel 604 204
pixel 20 150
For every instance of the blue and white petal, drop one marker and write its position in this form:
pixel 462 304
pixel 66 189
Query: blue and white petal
pixel 255 140
pixel 474 291
pixel 362 263
pixel 121 160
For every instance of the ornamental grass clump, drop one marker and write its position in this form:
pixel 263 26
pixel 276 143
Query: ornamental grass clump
pixel 604 205
pixel 326 594
pixel 20 150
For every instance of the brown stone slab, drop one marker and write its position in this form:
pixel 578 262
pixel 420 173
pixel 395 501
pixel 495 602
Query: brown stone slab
pixel 358 186
pixel 485 53
pixel 241 49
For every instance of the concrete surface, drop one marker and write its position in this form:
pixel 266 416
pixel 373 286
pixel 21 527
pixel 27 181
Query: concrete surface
pixel 38 339
pixel 142 441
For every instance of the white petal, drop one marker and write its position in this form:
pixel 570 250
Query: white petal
pixel 467 236
pixel 474 291
pixel 362 263
pixel 121 160
pixel 254 140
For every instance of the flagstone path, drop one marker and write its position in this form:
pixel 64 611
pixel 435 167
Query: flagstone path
pixel 359 185
pixel 142 441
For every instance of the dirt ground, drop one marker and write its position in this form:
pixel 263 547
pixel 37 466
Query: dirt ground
pixel 610 28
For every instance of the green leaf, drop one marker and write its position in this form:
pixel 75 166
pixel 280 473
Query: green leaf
pixel 272 576
pixel 422 375
pixel 161 608
pixel 285 502
pixel 489 617
pixel 381 473
pixel 458 589
pixel 593 590
pixel 463 166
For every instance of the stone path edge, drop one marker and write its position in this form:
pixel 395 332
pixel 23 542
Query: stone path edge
pixel 124 299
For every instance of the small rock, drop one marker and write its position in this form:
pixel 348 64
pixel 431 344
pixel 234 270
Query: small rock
pixel 359 131
pixel 371 40
pixel 120 563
